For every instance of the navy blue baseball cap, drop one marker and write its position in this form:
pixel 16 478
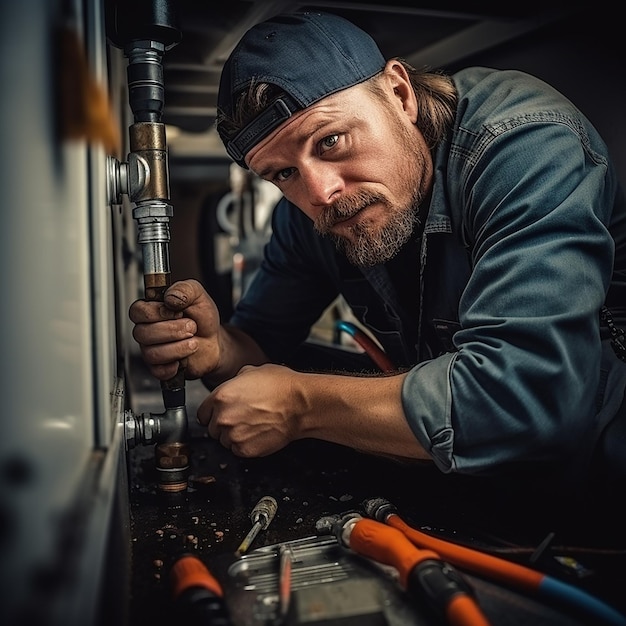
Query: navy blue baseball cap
pixel 310 55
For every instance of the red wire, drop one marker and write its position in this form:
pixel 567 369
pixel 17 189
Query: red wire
pixel 371 348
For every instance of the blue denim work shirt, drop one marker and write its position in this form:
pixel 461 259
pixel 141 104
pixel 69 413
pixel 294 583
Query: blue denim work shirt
pixel 524 240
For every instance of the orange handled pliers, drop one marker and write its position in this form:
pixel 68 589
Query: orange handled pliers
pixel 422 573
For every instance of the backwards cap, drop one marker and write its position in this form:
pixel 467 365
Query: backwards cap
pixel 309 55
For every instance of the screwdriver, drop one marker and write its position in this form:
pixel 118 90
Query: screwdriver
pixel 261 516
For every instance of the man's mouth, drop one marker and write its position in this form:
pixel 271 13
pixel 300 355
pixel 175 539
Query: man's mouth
pixel 344 214
pixel 348 219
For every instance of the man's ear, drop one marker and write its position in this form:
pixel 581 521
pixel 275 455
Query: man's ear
pixel 400 83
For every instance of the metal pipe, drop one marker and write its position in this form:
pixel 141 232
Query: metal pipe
pixel 145 36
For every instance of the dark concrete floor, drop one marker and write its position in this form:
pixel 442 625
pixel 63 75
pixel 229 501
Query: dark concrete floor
pixel 310 480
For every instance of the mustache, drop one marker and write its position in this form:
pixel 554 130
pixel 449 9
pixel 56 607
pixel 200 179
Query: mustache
pixel 345 208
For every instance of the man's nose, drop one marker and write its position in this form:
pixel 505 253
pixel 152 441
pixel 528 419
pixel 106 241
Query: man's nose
pixel 323 183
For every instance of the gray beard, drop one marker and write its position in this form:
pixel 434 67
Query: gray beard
pixel 370 247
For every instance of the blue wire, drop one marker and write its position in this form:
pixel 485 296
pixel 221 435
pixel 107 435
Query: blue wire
pixel 348 327
pixel 573 596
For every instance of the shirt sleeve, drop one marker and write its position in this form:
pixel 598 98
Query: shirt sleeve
pixel 521 385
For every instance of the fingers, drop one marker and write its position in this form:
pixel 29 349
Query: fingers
pixel 205 412
pixel 169 331
pixel 191 297
pixel 186 298
pixel 179 296
pixel 164 345
pixel 206 417
pixel 246 416
pixel 185 293
pixel 172 331
pixel 165 353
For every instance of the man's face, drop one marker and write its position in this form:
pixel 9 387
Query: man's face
pixel 356 165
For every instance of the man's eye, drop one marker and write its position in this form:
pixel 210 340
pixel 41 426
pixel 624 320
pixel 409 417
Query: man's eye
pixel 329 142
pixel 283 175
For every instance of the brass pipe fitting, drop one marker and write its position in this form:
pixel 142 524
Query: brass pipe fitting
pixel 147 144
